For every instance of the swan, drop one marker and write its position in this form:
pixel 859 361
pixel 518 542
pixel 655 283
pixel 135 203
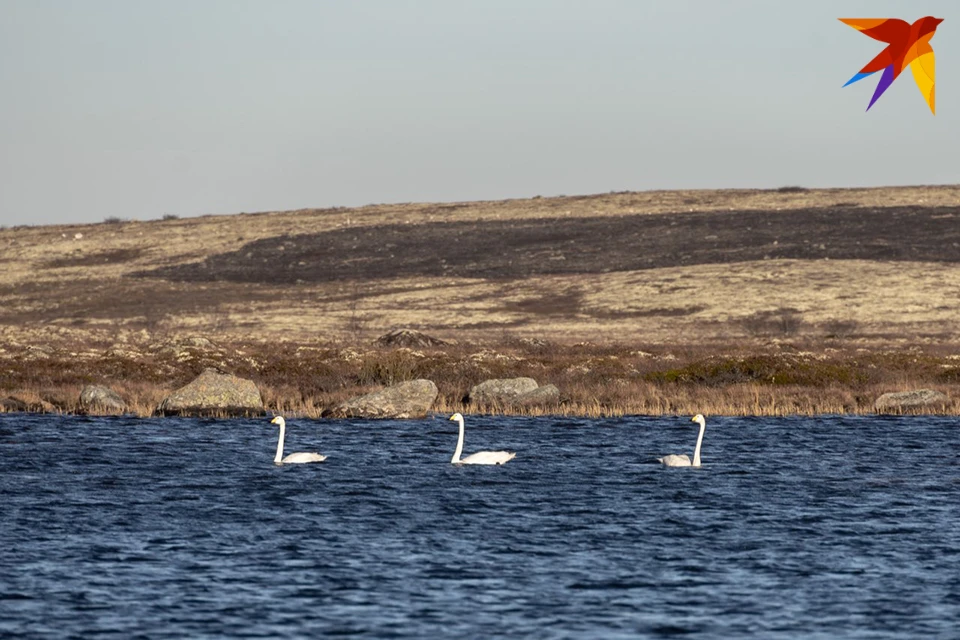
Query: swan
pixel 293 457
pixel 674 460
pixel 480 457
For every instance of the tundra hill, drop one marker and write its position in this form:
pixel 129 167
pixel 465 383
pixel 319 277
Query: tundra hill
pixel 669 267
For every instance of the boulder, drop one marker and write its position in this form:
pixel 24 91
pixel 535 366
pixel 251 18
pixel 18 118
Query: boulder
pixel 97 398
pixel 214 394
pixel 411 399
pixel 547 394
pixel 11 404
pixel 906 401
pixel 409 338
pixel 513 392
pixel 14 404
pixel 501 389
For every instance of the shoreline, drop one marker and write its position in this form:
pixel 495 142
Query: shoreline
pixel 294 379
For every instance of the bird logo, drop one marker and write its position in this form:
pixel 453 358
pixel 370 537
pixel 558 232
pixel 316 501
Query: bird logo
pixel 907 44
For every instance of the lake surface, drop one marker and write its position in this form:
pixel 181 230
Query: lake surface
pixel 172 528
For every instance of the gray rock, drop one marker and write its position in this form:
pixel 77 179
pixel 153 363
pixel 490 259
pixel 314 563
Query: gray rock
pixel 14 404
pixel 547 394
pixel 411 399
pixel 910 401
pixel 197 342
pixel 11 404
pixel 214 394
pixel 501 391
pixel 409 338
pixel 98 398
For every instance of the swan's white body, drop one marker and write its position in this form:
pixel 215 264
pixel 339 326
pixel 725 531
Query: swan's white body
pixel 480 457
pixel 682 460
pixel 293 458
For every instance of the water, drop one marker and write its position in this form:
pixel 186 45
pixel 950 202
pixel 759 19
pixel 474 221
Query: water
pixel 173 528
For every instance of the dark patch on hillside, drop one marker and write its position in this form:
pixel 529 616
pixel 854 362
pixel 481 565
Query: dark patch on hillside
pixel 508 249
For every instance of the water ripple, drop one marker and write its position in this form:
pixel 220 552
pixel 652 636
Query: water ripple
pixel 172 528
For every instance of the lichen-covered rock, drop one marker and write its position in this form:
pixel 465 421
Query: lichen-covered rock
pixel 907 401
pixel 513 392
pixel 214 394
pixel 97 398
pixel 545 395
pixel 411 399
pixel 501 391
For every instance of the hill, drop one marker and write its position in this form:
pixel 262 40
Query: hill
pixel 662 267
pixel 659 288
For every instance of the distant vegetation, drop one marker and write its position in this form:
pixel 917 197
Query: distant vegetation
pixel 780 322
pixel 593 380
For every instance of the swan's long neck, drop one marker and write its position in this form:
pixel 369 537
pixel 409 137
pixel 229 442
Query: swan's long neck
pixel 456 454
pixel 279 457
pixel 696 451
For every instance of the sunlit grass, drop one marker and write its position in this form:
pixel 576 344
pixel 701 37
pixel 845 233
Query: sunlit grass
pixel 594 380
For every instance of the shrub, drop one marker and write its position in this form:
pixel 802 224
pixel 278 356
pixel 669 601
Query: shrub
pixel 388 368
pixel 840 328
pixel 784 321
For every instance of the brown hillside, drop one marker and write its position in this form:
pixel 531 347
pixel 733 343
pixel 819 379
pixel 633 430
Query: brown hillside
pixel 657 267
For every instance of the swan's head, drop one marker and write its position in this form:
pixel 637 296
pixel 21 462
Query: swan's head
pixel 697 418
pixel 278 420
pixel 456 416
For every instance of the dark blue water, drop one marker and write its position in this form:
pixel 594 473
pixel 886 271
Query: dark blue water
pixel 173 528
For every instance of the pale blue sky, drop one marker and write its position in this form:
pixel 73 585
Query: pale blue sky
pixel 136 109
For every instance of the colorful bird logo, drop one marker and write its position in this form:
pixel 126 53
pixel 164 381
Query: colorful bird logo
pixel 906 44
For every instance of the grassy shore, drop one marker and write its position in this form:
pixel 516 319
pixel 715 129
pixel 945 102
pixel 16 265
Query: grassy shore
pixel 776 378
pixel 744 301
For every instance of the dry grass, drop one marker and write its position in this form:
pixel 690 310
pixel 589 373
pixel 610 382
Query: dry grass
pixel 652 302
pixel 594 380
pixel 660 265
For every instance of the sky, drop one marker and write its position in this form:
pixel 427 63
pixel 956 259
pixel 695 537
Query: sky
pixel 136 109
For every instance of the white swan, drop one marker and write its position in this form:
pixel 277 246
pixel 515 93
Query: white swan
pixel 674 460
pixel 293 457
pixel 480 457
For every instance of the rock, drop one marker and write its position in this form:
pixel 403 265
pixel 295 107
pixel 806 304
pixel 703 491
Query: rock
pixel 98 398
pixel 501 391
pixel 532 342
pixel 11 404
pixel 186 348
pixel 14 404
pixel 37 353
pixel 411 399
pixel 197 342
pixel 547 394
pixel 910 401
pixel 513 392
pixel 214 394
pixel 409 338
